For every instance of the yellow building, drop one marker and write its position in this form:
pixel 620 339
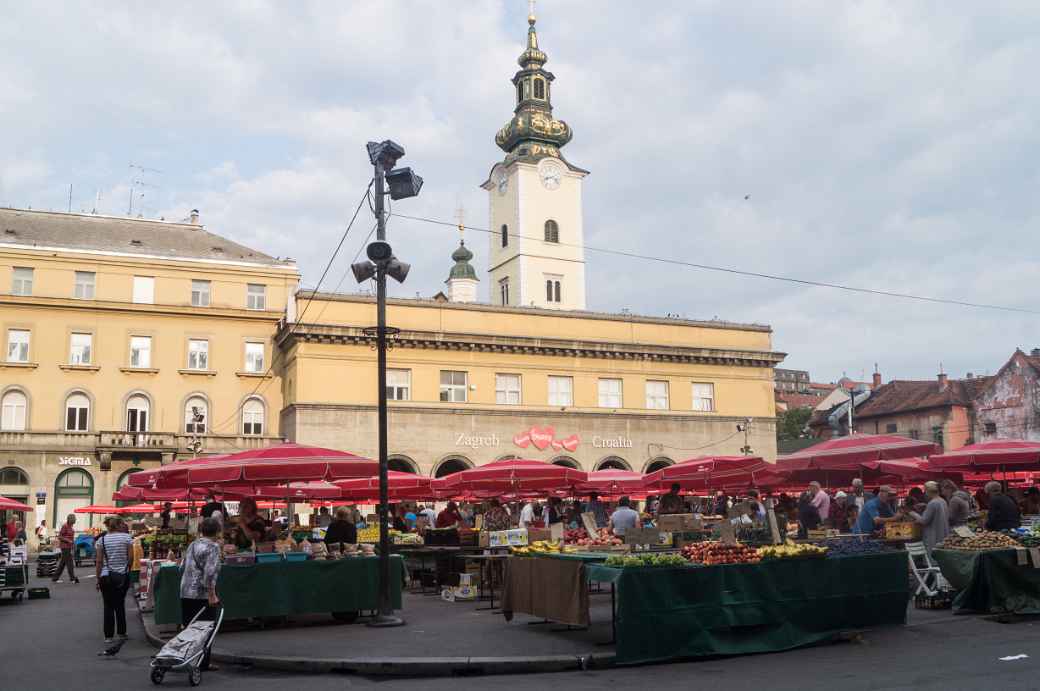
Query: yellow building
pixel 114 330
pixel 532 374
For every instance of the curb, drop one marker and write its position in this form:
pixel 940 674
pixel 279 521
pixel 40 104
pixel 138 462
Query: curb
pixel 404 666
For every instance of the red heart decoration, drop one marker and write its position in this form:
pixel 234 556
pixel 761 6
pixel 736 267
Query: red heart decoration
pixel 557 445
pixel 571 442
pixel 541 438
pixel 522 439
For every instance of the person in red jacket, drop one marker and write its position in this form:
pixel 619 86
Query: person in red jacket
pixel 449 517
pixel 66 541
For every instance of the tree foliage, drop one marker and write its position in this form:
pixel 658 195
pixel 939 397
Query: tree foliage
pixel 791 423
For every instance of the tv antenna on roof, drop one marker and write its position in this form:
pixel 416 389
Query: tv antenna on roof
pixel 137 181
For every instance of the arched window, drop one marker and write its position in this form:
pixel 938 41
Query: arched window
pixel 196 405
pixel 13 476
pixel 402 464
pixel 125 477
pixel 566 461
pixel 77 413
pixel 519 92
pixel 552 231
pixel 138 410
pixel 527 88
pixel 539 88
pixel 13 407
pixel 253 417
pixel 452 465
pixel 613 463
pixel 658 463
pixel 73 488
pixel 505 235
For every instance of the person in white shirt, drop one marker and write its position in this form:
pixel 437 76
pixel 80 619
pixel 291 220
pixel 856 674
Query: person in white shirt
pixel 527 515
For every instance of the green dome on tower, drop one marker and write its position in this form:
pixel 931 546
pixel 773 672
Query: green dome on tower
pixel 462 268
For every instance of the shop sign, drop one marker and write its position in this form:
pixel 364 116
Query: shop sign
pixel 490 441
pixel 74 460
pixel 618 442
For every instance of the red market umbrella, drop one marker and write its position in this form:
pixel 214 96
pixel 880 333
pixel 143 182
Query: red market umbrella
pixel 139 494
pixel 402 486
pixel 508 476
pixel 139 508
pixel 707 473
pixel 989 456
pixel 913 470
pixel 96 508
pixel 146 478
pixel 283 463
pixel 12 505
pixel 612 482
pixel 300 491
pixel 843 452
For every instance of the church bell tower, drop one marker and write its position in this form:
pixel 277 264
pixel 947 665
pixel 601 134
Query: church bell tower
pixel 537 255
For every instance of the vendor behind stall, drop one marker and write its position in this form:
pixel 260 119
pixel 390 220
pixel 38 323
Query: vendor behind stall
pixel 672 502
pixel 934 518
pixel 876 511
pixel 624 517
pixel 496 517
pixel 1003 511
pixel 250 527
pixel 598 509
pixel 449 517
pixel 342 529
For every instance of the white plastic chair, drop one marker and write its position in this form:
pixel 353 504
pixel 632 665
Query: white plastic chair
pixel 917 553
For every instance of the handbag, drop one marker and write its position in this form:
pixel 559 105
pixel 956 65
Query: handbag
pixel 116 579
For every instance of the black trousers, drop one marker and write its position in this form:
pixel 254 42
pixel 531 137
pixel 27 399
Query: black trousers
pixel 189 608
pixel 65 560
pixel 113 598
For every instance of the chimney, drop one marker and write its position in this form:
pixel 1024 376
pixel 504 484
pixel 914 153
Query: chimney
pixel 877 376
pixel 193 217
pixel 969 375
pixel 942 381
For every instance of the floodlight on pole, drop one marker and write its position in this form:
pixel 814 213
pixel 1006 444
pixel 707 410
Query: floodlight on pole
pixel 403 183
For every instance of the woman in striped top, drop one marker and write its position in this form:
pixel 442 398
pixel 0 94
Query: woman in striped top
pixel 112 564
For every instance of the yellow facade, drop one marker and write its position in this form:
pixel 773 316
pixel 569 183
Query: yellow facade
pixel 45 439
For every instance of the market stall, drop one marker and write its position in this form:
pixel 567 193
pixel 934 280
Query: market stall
pixel 286 588
pixel 551 586
pixel 994 573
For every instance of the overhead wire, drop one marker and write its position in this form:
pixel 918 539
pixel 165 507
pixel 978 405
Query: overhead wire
pixel 742 272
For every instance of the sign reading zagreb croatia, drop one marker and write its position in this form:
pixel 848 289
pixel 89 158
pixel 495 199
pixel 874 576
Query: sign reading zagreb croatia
pixel 541 438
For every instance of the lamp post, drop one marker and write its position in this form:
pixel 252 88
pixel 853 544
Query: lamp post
pixel 381 262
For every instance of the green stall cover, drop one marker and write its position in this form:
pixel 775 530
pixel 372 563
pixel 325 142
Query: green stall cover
pixel 991 581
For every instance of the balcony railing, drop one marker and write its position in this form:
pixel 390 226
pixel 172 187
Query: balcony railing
pixel 113 441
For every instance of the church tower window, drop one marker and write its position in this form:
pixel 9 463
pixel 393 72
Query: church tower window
pixel 552 291
pixel 519 92
pixel 505 235
pixel 552 231
pixel 539 88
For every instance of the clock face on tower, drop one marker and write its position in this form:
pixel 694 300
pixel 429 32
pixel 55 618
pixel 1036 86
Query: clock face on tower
pixel 550 173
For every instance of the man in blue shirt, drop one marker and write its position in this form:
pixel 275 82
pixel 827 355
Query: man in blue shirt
pixel 623 518
pixel 875 512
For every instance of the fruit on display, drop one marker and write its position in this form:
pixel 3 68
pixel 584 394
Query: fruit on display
pixel 407 539
pixel 709 553
pixel 371 534
pixel 645 560
pixel 790 550
pixel 539 547
pixel 979 542
pixel 603 538
pixel 1029 540
pixel 838 548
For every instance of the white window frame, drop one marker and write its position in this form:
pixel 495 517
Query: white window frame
pixel 81 416
pixel 84 286
pixel 140 362
pixel 190 427
pixel 200 292
pixel 561 391
pixel 253 421
pixel 19 342
pixel 701 403
pixel 140 421
pixel 22 280
pixel 251 361
pixel 14 416
pixel 609 398
pixel 399 384
pixel 503 290
pixel 81 353
pixel 454 392
pixel 256 296
pixel 508 389
pixel 144 290
pixel 657 394
pixel 198 354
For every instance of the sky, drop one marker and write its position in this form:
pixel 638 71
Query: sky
pixel 883 145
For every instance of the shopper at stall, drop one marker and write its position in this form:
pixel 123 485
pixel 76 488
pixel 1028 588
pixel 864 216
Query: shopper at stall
pixel 1003 511
pixel 341 530
pixel 839 518
pixel 916 499
pixel 623 518
pixel 598 509
pixel 324 517
pixel 721 507
pixel 821 500
pixel 876 512
pixel 935 517
pixel 958 502
pixel 857 496
pixel 756 509
pixel 201 568
pixel 808 515
pixel 66 541
pixel 212 506
pixel 1031 502
pixel 527 515
pixel 496 517
pixel 251 527
pixel 672 502
pixel 449 517
pixel 112 568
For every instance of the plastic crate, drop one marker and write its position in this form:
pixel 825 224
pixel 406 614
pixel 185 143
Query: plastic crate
pixel 296 556
pixel 268 557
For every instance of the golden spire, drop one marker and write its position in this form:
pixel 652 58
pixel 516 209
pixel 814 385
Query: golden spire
pixel 532 35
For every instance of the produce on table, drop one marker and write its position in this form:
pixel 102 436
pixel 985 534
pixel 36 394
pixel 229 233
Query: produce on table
pixel 979 542
pixel 837 548
pixel 790 550
pixel 645 560
pixel 539 547
pixel 603 538
pixel 709 553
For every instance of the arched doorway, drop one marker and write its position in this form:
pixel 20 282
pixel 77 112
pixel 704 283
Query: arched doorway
pixel 453 464
pixel 14 484
pixel 657 464
pixel 73 488
pixel 402 464
pixel 613 463
pixel 121 483
pixel 566 461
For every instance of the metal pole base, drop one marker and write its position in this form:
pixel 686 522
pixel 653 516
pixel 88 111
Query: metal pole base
pixel 384 621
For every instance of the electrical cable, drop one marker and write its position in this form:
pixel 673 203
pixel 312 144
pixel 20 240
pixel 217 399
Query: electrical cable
pixel 741 272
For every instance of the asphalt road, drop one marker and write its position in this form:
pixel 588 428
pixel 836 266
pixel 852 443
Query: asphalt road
pixel 53 644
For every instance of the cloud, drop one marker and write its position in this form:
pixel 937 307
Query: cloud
pixel 885 145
